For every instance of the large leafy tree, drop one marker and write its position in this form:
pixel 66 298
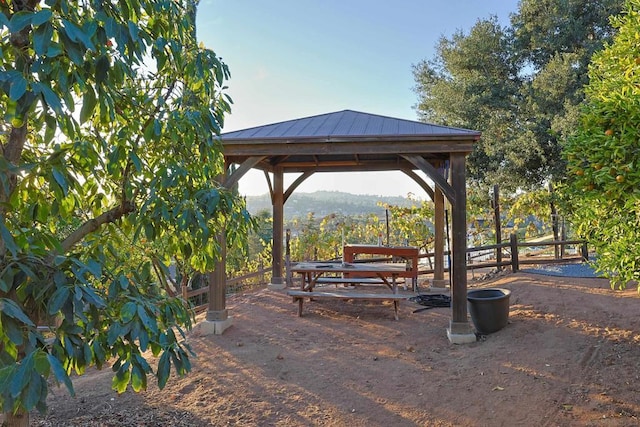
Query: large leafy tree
pixel 520 85
pixel 108 137
pixel 604 158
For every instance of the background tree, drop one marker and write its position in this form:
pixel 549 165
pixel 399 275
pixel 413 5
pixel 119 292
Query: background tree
pixel 603 156
pixel 110 112
pixel 520 85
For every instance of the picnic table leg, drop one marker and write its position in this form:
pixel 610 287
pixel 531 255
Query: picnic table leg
pixel 300 301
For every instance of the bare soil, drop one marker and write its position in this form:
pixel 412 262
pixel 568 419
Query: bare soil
pixel 569 356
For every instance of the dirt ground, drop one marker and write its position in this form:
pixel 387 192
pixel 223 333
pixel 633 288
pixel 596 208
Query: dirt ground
pixel 569 356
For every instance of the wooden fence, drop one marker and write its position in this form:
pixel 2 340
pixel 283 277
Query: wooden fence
pixel 199 298
pixel 491 256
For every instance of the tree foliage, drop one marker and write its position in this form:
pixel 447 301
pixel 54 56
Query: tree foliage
pixel 603 156
pixel 519 85
pixel 110 111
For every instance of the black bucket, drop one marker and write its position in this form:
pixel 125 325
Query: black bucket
pixel 489 309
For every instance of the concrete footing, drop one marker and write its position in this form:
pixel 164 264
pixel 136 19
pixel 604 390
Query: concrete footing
pixel 439 283
pixel 276 286
pixel 460 333
pixel 211 327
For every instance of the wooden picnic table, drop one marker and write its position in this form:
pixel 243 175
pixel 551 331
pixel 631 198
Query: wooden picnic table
pixel 409 253
pixel 313 273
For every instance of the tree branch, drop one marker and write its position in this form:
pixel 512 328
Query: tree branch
pixel 95 223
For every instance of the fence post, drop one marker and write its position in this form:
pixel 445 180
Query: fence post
pixel 515 265
pixel 585 252
pixel 287 259
pixel 496 212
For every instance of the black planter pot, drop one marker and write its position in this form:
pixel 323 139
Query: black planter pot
pixel 489 309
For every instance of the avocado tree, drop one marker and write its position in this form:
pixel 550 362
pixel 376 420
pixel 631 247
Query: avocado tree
pixel 603 156
pixel 108 137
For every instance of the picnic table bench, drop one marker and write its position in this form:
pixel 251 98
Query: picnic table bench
pixel 312 274
pixel 299 296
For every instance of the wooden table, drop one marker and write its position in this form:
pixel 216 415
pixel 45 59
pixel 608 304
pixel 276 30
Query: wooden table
pixel 311 273
pixel 410 253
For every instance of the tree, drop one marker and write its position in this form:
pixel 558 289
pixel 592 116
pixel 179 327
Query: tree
pixel 603 156
pixel 520 85
pixel 111 111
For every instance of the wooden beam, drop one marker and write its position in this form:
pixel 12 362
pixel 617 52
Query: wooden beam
pixel 245 167
pixel 433 173
pixel 296 183
pixel 320 147
pixel 418 179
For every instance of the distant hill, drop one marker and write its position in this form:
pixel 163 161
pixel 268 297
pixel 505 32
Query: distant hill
pixel 323 203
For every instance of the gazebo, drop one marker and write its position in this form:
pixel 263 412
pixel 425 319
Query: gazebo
pixel 351 141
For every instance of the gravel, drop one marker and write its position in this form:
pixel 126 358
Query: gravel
pixel 565 270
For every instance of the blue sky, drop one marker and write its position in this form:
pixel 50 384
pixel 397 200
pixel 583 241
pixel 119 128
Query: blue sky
pixel 297 58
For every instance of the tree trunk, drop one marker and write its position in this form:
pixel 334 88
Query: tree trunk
pixel 21 419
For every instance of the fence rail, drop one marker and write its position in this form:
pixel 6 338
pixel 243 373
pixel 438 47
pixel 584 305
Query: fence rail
pixel 200 297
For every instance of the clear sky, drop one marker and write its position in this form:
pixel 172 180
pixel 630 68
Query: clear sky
pixel 297 58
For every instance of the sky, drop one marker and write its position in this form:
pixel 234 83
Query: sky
pixel 297 58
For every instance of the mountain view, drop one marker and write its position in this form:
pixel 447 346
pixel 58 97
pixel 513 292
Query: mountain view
pixel 323 203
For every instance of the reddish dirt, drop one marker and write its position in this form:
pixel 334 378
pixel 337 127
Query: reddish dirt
pixel 568 357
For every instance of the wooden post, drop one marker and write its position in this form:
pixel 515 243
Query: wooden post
pixel 278 225
pixel 554 223
pixel 217 304
pixel 438 243
pixel 218 284
pixel 496 216
pixel 515 264
pixel 585 252
pixel 458 267
pixel 287 256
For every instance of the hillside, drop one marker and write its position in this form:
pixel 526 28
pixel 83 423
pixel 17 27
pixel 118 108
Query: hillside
pixel 323 203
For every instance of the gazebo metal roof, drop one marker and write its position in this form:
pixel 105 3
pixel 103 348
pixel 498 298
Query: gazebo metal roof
pixel 345 141
pixel 345 124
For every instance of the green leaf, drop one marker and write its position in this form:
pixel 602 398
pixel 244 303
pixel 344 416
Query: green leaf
pixel 41 16
pixel 60 374
pixel 11 309
pixel 41 363
pixel 59 297
pixel 22 376
pixel 20 20
pixel 77 35
pixel 6 281
pixel 128 311
pixel 50 130
pixel 148 322
pixel 121 379
pixel 61 180
pixel 5 375
pixel 50 97
pixel 9 242
pixel 88 104
pixel 42 37
pixel 13 330
pixel 18 87
pixel 164 370
pixel 32 394
pixel 102 69
pixel 133 31
pixel 138 378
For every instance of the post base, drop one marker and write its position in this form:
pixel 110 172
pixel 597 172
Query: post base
pixel 439 283
pixel 276 286
pixel 211 327
pixel 460 333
